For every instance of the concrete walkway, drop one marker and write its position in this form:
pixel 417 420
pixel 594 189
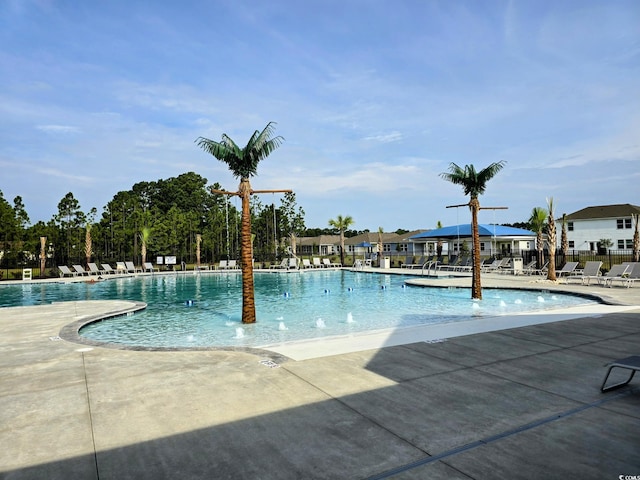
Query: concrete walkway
pixel 516 403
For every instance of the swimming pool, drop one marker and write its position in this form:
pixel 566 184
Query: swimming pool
pixel 205 310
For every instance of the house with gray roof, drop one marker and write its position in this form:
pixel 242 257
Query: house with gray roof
pixel 587 227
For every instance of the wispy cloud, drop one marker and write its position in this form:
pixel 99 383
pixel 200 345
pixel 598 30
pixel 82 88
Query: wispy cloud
pixel 61 129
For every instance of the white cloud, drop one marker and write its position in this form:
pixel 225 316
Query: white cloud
pixel 63 129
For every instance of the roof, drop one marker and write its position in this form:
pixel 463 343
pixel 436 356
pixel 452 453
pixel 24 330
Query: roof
pixel 319 240
pixel 484 230
pixel 605 211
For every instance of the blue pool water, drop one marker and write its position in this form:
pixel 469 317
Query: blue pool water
pixel 205 310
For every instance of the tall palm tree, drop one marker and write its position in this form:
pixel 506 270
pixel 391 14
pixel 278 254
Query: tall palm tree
pixel 636 239
pixel 537 221
pixel 439 244
pixel 474 184
pixel 564 239
pixel 341 223
pixel 380 245
pixel 145 234
pixel 243 164
pixel 552 240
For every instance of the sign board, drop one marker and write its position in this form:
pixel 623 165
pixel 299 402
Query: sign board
pixel 170 260
pixel 159 260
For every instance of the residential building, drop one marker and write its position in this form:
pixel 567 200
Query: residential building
pixel 587 228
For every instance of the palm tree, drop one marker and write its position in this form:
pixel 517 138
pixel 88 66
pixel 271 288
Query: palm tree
pixel 380 246
pixel 636 239
pixel 439 244
pixel 145 234
pixel 552 240
pixel 243 164
pixel 537 221
pixel 474 184
pixel 564 240
pixel 341 223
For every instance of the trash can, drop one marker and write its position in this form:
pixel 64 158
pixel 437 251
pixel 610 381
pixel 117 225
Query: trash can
pixel 385 263
pixel 516 266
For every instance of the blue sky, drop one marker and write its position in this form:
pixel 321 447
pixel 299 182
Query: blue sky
pixel 374 99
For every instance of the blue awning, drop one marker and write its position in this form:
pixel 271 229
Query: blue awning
pixel 484 230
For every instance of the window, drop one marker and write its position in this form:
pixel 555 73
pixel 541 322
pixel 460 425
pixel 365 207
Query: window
pixel 629 244
pixel 386 247
pixel 403 247
pixel 570 226
pixel 620 244
pixel 623 223
pixel 572 244
pixel 482 246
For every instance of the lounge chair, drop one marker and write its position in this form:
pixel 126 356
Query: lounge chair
pixel 283 265
pixel 80 270
pixel 64 271
pixel 293 263
pixel 591 270
pixel 317 263
pixel 131 268
pixel 233 265
pixel 327 263
pixel 121 267
pixel 148 267
pixel 629 363
pixel 617 271
pixel 106 268
pixel 568 268
pixel 494 266
pixel 451 264
pixel 223 265
pixel 532 270
pixel 465 264
pixel 630 276
pixel 93 269
pixel 418 264
pixel 306 263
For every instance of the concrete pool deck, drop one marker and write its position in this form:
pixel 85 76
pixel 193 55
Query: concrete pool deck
pixel 521 402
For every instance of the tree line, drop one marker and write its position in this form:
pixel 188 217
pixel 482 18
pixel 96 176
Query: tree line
pixel 164 217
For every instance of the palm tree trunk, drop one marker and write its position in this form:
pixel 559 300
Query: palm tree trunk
pixel 342 247
pixel 248 300
pixel 476 287
pixel 551 238
pixel 43 256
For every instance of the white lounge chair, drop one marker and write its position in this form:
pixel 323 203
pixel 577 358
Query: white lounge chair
pixel 106 268
pixel 148 267
pixel 591 270
pixel 283 265
pixel 80 270
pixel 630 276
pixel 233 265
pixel 327 263
pixel 568 268
pixel 131 268
pixel 64 271
pixel 93 269
pixel 223 265
pixel 317 263
pixel 293 263
pixel 306 263
pixel 121 267
pixel 616 271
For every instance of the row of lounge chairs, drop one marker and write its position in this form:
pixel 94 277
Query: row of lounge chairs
pixel 293 263
pixel 626 273
pixel 104 269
